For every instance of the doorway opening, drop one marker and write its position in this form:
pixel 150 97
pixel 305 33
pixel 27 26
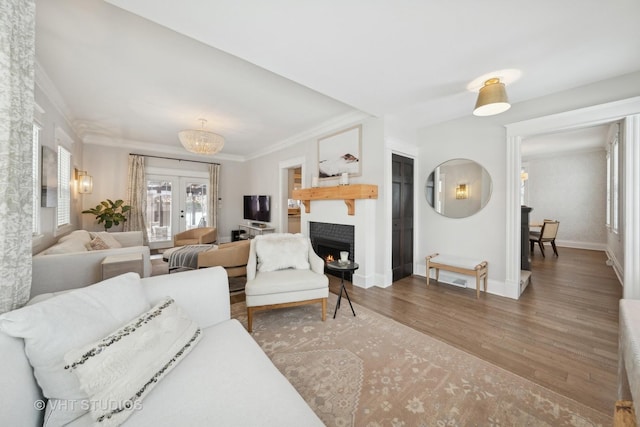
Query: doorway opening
pixel 626 110
pixel 291 178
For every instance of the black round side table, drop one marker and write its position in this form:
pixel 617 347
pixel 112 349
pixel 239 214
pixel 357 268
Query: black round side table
pixel 342 268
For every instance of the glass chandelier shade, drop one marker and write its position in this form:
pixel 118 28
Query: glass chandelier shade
pixel 200 141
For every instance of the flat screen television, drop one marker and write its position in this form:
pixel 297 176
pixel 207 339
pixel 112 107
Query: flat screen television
pixel 257 208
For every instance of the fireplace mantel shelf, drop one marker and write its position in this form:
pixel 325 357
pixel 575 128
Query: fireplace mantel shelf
pixel 348 193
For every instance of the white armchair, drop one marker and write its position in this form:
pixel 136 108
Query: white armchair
pixel 284 271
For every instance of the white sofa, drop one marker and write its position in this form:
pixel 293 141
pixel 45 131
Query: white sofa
pixel 71 264
pixel 225 380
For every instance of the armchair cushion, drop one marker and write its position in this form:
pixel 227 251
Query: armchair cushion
pixel 272 282
pixel 282 251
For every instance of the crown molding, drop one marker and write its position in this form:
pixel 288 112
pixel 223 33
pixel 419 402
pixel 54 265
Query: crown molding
pixel 146 147
pixel 153 149
pixel 50 90
pixel 326 127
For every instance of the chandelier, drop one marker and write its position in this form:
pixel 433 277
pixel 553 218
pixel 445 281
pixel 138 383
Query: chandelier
pixel 200 141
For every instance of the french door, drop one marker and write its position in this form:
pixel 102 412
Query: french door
pixel 175 204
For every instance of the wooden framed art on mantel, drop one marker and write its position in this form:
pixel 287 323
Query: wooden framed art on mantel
pixel 340 153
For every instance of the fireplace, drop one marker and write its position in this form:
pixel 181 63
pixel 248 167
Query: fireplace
pixel 329 239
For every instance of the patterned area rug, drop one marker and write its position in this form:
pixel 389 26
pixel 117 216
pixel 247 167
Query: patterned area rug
pixel 371 371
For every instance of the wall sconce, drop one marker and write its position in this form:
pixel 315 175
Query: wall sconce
pixel 524 176
pixel 462 192
pixel 84 181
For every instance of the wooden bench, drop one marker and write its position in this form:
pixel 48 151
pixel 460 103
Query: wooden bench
pixel 455 264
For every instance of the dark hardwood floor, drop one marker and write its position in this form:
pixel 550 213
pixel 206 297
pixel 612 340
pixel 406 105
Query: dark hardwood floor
pixel 561 334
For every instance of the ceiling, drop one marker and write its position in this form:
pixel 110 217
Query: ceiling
pixel 590 138
pixel 264 74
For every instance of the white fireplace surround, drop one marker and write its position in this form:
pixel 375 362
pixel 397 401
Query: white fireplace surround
pixel 364 220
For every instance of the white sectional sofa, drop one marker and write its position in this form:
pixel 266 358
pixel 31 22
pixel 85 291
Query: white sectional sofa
pixel 70 263
pixel 225 379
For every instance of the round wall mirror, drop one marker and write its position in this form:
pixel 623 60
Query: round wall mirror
pixel 458 188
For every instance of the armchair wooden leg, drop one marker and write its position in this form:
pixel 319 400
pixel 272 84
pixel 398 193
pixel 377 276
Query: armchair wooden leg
pixel 541 248
pixel 249 319
pixel 553 245
pixel 324 309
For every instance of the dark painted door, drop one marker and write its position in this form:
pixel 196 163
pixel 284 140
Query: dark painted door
pixel 402 240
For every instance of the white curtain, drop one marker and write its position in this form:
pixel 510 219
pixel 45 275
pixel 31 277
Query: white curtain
pixel 137 196
pixel 17 53
pixel 214 193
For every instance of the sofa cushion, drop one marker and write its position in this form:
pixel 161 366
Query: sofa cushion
pixel 118 371
pixel 282 251
pixel 57 325
pixel 66 247
pixel 227 380
pixel 106 239
pixel 81 235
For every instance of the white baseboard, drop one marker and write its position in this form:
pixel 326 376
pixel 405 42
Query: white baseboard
pixel 581 245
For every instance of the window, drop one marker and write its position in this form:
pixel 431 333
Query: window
pixel 615 147
pixel 64 187
pixel 524 185
pixel 613 179
pixel 608 207
pixel 35 181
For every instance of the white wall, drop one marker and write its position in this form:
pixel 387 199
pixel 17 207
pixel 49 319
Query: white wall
pixel 483 139
pixel 571 188
pixel 51 120
pixel 369 219
pixel 480 236
pixel 109 167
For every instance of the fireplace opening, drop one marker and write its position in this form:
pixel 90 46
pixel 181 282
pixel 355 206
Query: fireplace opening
pixel 328 240
pixel 329 250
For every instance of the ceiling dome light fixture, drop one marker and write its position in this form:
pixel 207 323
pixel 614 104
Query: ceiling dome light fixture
pixel 492 98
pixel 200 141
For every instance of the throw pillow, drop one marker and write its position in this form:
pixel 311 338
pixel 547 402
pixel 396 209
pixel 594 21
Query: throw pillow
pixel 53 327
pixel 108 239
pixel 97 244
pixel 119 370
pixel 281 251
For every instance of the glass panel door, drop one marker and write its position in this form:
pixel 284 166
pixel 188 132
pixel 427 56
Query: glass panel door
pixel 195 213
pixel 175 204
pixel 159 209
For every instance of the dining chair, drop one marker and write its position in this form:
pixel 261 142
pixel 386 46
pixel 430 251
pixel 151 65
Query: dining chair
pixel 548 234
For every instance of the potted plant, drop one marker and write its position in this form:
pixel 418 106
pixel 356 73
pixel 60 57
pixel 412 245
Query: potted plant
pixel 109 212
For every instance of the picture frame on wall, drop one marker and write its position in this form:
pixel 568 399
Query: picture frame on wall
pixel 49 178
pixel 340 152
